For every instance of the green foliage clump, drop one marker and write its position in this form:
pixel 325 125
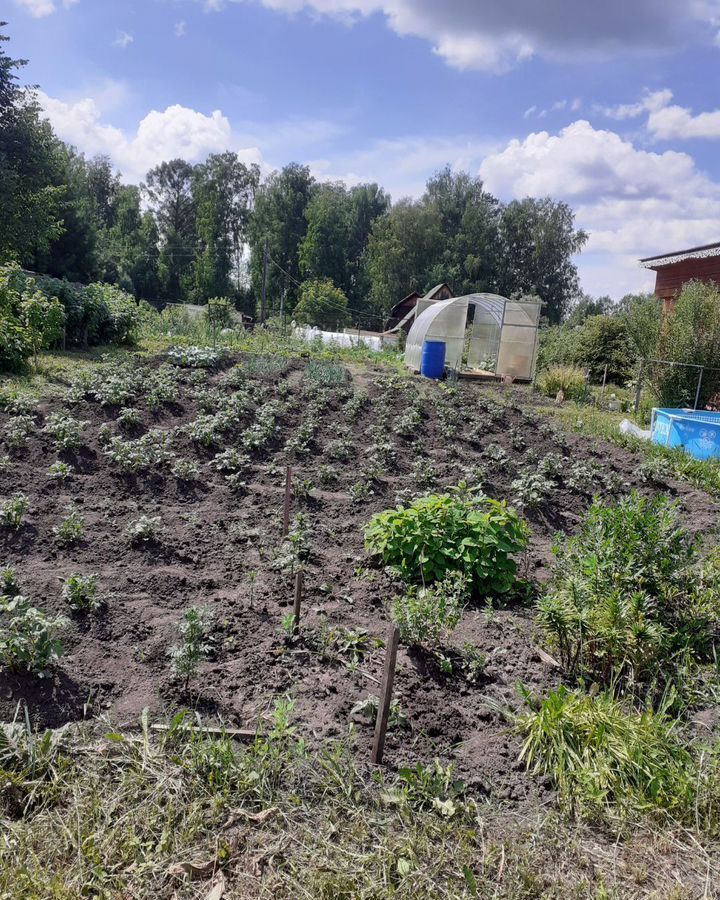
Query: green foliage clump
pixel 321 304
pixel 194 644
pixel 28 638
pixel 689 334
pixel 13 510
pixel 445 533
pixel 424 615
pixel 80 592
pixel 600 753
pixel 71 528
pixel 629 601
pixel 570 380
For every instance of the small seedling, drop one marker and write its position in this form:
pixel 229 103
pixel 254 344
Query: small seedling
pixel 9 584
pixel 288 625
pixel 81 593
pixel 194 645
pixel 13 510
pixel 71 527
pixel 144 529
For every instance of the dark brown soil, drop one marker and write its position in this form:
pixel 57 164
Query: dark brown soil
pixel 116 661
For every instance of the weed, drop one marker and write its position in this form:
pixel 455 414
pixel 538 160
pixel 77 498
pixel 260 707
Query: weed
pixel 368 709
pixel 433 787
pixel 473 663
pixel 71 528
pixel 194 644
pixel 28 638
pixel 570 380
pixel 144 530
pixel 13 510
pixel 426 615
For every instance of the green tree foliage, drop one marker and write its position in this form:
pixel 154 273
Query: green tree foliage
pixel 30 169
pixel 642 315
pixel 689 334
pixel 604 341
pixel 280 220
pixel 42 318
pixel 538 240
pixel 322 304
pixel 169 189
pixel 223 190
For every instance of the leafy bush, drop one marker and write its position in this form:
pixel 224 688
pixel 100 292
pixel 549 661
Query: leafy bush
pixel 599 753
pixel 690 334
pixel 81 593
pixel 605 340
pixel 443 533
pixel 629 600
pixel 425 615
pixel 568 379
pixel 28 637
pixel 321 304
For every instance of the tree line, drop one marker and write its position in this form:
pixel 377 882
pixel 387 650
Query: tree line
pixel 191 232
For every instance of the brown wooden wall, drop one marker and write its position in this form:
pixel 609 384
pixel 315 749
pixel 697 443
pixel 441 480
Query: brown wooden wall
pixel 670 279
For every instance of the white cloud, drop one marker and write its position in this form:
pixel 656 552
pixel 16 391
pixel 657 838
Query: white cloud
pixel 677 122
pixel 495 35
pixel 123 40
pixel 175 132
pixel 38 9
pixel 649 102
pixel 633 202
pixel 180 28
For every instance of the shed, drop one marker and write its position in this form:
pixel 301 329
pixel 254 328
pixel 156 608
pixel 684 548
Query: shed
pixel 400 314
pixel 674 270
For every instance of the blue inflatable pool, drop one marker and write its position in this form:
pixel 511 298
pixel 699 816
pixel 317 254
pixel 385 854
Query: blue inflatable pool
pixel 697 432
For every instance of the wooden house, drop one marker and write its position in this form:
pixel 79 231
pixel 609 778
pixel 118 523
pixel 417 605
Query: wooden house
pixel 673 270
pixel 399 312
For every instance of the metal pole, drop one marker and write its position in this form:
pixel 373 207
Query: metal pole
pixel 697 392
pixel 638 387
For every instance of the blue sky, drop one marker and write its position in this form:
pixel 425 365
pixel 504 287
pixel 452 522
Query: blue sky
pixel 612 107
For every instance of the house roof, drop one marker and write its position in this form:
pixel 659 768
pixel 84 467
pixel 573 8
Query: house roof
pixel 431 293
pixel 669 259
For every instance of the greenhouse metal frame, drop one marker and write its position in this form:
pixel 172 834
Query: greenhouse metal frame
pixel 503 340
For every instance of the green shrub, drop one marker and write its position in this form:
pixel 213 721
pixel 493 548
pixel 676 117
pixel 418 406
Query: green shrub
pixel 321 304
pixel 444 533
pixel 605 341
pixel 425 615
pixel 570 380
pixel 15 344
pixel 194 644
pixel 629 601
pixel 690 334
pixel 599 753
pixel 28 637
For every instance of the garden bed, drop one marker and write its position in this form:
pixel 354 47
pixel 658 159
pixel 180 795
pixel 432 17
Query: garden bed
pixel 219 545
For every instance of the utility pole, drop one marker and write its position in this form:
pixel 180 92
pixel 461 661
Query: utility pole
pixel 264 283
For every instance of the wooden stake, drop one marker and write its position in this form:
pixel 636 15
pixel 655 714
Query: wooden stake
pixel 386 691
pixel 288 494
pixel 298 599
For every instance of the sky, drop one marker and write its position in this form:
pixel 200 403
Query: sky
pixel 611 106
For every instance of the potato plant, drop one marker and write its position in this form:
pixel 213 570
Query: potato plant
pixel 13 510
pixel 70 529
pixel 80 592
pixel 144 530
pixel 128 419
pixel 28 638
pixel 17 431
pixel 60 471
pixel 66 432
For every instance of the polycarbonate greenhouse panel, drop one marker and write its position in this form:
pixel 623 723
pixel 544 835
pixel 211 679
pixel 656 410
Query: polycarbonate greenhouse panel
pixel 444 321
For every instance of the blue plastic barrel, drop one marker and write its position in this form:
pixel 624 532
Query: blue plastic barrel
pixel 432 362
